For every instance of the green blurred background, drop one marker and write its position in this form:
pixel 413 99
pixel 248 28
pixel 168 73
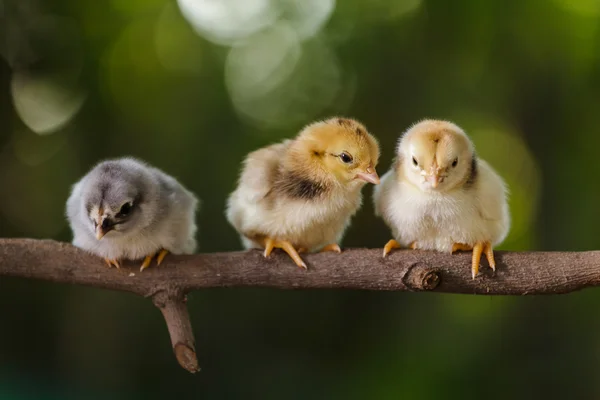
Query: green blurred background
pixel 192 86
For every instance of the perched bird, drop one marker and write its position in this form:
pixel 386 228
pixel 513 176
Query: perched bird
pixel 299 195
pixel 126 209
pixel 440 196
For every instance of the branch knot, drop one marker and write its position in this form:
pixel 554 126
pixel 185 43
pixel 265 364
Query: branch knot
pixel 420 277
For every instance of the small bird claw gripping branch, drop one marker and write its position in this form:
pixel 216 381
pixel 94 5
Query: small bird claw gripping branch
pixel 517 273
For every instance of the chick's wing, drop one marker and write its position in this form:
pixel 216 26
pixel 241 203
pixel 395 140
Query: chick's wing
pixel 491 193
pixel 260 171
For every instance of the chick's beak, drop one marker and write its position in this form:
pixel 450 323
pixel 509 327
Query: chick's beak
pixel 103 228
pixel 369 175
pixel 434 180
pixel 99 233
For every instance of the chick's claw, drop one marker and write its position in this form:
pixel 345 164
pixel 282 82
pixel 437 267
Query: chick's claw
pixel 477 250
pixel 159 258
pixel 392 244
pixel 111 262
pixel 269 246
pixel 286 246
pixel 489 254
pixel 332 247
pixel 146 262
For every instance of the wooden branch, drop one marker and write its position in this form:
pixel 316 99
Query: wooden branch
pixel 522 273
pixel 180 328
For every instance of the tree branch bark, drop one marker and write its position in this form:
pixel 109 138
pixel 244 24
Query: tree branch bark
pixel 518 273
pixel 180 328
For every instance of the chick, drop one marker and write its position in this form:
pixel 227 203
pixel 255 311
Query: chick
pixel 440 196
pixel 299 195
pixel 126 209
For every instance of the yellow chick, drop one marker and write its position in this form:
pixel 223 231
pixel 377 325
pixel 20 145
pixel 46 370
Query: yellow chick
pixel 440 196
pixel 299 195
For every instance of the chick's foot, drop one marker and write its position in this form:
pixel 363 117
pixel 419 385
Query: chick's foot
pixel 159 259
pixel 332 247
pixel 489 254
pixel 161 256
pixel 478 249
pixel 111 262
pixel 392 244
pixel 286 246
pixel 461 247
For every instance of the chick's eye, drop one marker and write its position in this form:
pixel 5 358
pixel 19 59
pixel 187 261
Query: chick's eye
pixel 345 157
pixel 125 209
pixel 415 163
pixel 455 162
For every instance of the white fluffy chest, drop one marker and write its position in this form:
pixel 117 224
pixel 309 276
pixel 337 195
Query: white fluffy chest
pixel 311 216
pixel 309 224
pixel 133 247
pixel 115 245
pixel 435 221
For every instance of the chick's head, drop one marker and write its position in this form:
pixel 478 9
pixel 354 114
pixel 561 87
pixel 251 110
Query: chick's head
pixel 436 155
pixel 340 148
pixel 116 201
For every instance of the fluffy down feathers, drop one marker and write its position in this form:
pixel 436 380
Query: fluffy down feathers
pixel 304 190
pixel 143 210
pixel 439 193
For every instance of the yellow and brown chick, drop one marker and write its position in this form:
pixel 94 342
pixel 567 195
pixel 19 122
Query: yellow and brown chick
pixel 299 195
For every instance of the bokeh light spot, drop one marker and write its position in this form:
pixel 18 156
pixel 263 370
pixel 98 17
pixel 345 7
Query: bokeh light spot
pixel 262 63
pixel 275 81
pixel 307 17
pixel 44 104
pixel 227 21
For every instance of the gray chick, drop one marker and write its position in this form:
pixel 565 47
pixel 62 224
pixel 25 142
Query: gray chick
pixel 126 209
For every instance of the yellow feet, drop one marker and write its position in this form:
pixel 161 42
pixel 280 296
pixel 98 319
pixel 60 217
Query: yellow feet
pixel 489 254
pixel 159 259
pixel 286 246
pixel 413 245
pixel 392 244
pixel 114 262
pixel 332 247
pixel 461 247
pixel 161 256
pixel 478 249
